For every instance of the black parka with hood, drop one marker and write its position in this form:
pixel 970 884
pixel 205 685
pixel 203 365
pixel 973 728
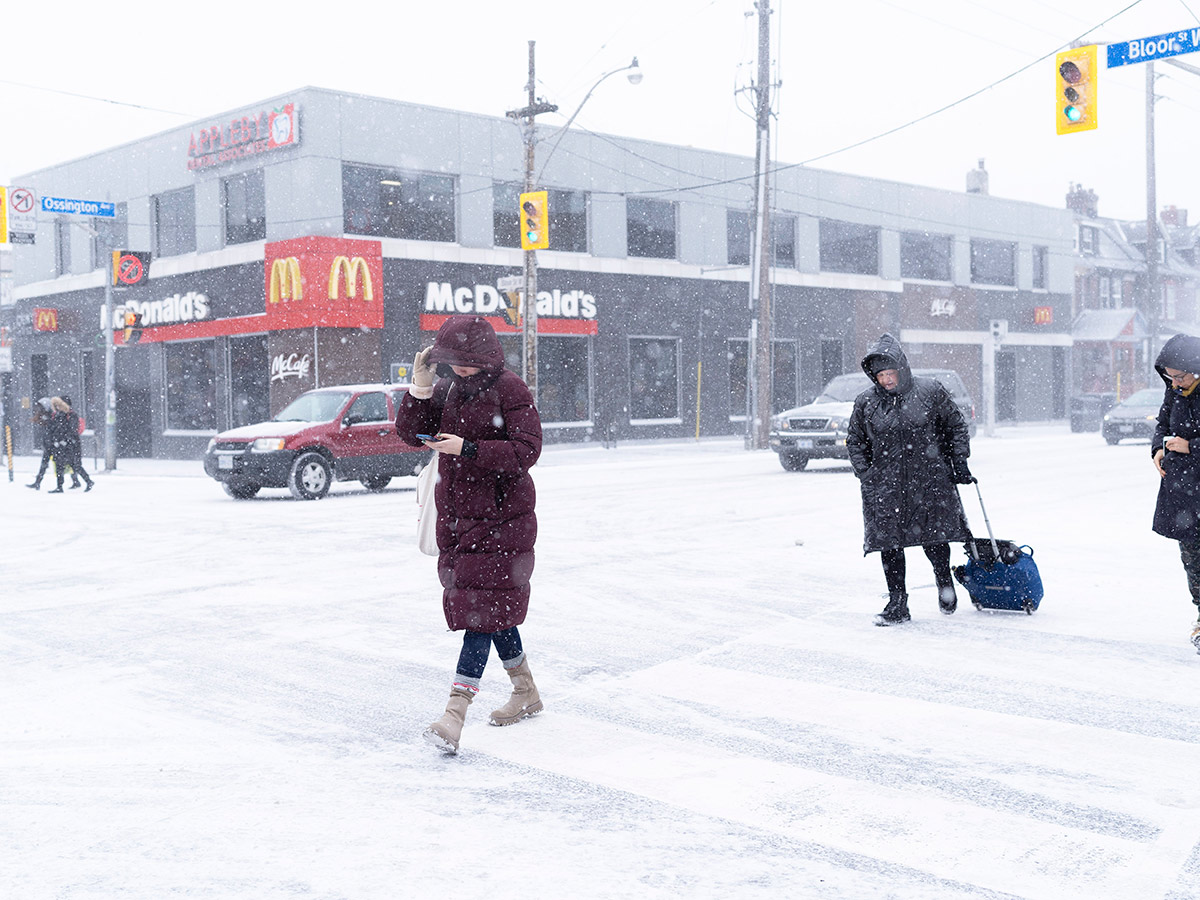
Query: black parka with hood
pixel 1177 512
pixel 902 444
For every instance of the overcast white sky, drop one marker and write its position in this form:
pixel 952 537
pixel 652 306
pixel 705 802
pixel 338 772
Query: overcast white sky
pixel 849 71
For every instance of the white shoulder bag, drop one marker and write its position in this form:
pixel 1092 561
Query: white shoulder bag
pixel 427 508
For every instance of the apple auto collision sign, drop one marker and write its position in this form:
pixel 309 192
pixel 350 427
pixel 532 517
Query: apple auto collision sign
pixel 263 131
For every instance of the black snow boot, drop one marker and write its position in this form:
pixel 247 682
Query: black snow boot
pixel 896 611
pixel 947 599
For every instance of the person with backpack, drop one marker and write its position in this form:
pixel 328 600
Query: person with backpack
pixel 908 443
pixel 481 419
pixel 1177 512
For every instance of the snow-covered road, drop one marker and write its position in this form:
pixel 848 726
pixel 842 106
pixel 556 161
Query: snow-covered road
pixel 209 698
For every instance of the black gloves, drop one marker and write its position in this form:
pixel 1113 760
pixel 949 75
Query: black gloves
pixel 960 473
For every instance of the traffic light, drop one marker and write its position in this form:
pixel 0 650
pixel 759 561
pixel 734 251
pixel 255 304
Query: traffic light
pixel 535 221
pixel 133 327
pixel 1076 80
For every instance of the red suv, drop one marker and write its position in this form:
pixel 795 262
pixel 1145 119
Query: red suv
pixel 345 432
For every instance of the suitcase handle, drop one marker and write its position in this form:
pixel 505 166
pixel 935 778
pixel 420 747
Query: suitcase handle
pixel 992 537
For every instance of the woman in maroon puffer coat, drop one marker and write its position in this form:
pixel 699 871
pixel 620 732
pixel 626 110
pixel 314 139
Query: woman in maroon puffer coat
pixel 488 434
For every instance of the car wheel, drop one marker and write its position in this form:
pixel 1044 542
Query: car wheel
pixel 793 462
pixel 310 477
pixel 376 482
pixel 240 490
pixel 1112 439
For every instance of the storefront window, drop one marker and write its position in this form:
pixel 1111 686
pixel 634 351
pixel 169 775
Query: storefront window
pixel 563 387
pixel 568 218
pixel 925 256
pixel 191 376
pixel 783 378
pixel 650 227
pixel 244 206
pixel 175 222
pixel 249 387
pixel 849 247
pixel 993 262
pixel 385 203
pixel 737 354
pixel 653 379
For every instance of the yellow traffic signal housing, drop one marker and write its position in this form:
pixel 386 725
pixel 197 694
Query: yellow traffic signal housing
pixel 1076 80
pixel 535 221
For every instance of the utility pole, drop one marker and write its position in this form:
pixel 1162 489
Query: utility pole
pixel 529 312
pixel 1153 293
pixel 759 397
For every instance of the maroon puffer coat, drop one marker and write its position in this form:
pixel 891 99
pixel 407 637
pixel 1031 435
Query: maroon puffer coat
pixel 486 524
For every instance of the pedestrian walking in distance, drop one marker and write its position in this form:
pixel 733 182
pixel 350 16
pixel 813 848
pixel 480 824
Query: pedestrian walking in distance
pixel 481 420
pixel 42 412
pixel 909 445
pixel 74 429
pixel 1177 513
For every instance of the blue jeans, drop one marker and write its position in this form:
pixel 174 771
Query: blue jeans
pixel 477 645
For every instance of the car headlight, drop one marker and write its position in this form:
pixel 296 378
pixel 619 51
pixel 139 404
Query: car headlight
pixel 1107 417
pixel 779 423
pixel 838 424
pixel 266 445
pixel 211 445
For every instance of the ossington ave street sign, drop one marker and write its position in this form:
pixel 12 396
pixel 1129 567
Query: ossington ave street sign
pixel 1160 46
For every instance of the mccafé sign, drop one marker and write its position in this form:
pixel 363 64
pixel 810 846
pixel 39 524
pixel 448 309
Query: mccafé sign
pixel 321 281
pixel 259 132
pixel 559 312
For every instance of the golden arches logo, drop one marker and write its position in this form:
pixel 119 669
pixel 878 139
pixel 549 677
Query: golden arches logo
pixel 286 283
pixel 351 268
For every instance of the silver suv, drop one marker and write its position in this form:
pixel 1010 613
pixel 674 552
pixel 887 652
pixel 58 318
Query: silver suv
pixel 818 429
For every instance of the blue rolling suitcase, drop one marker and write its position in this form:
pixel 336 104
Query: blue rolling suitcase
pixel 1000 574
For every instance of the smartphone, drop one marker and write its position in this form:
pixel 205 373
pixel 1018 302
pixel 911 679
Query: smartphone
pixel 428 437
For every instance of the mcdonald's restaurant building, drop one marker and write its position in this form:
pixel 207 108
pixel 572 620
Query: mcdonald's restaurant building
pixel 321 238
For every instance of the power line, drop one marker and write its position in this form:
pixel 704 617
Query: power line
pixel 35 87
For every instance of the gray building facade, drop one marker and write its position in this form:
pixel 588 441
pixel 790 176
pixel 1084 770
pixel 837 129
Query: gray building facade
pixel 319 237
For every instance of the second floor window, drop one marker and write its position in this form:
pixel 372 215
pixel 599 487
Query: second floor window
pixel 62 247
pixel 110 234
pixel 243 202
pixel 738 225
pixel 650 227
pixel 925 256
pixel 385 203
pixel 1041 263
pixel 849 247
pixel 568 218
pixel 175 222
pixel 993 262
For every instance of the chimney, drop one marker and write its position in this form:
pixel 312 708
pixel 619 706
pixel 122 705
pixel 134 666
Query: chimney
pixel 1085 203
pixel 977 180
pixel 1171 215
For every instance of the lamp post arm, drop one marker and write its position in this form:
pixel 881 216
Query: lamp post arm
pixel 561 133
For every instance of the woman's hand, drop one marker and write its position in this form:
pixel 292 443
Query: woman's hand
pixel 446 443
pixel 1158 455
pixel 1177 445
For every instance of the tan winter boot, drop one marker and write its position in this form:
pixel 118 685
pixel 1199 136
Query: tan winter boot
pixel 446 731
pixel 524 700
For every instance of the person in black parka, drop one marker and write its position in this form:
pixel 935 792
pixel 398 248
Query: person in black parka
pixel 1177 513
pixel 42 412
pixel 909 445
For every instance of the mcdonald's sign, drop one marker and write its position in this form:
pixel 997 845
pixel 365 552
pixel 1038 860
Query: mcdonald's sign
pixel 45 319
pixel 1043 315
pixel 350 270
pixel 285 281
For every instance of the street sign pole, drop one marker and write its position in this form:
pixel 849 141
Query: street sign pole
pixel 110 369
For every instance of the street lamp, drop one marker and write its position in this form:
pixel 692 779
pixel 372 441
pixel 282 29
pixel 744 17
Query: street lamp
pixel 529 113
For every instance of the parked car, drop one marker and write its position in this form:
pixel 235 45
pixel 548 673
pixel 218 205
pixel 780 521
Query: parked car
pixel 818 430
pixel 1135 417
pixel 338 433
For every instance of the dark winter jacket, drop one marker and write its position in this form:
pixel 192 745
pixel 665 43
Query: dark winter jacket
pixel 63 430
pixel 1178 510
pixel 486 526
pixel 903 445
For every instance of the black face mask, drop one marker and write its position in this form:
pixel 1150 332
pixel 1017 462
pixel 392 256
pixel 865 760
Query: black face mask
pixel 443 370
